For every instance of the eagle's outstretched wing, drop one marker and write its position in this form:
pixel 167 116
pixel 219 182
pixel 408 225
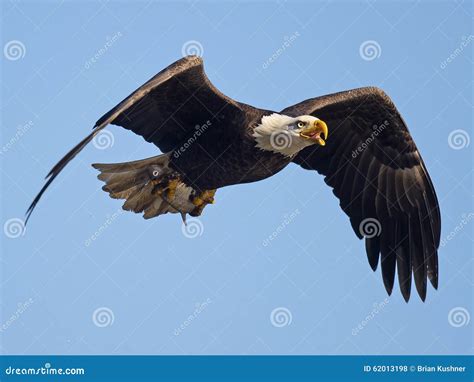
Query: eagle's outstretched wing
pixel 376 171
pixel 165 111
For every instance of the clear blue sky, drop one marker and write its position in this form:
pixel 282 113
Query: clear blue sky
pixel 65 64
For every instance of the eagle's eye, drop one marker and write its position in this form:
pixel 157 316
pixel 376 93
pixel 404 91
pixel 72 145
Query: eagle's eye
pixel 301 124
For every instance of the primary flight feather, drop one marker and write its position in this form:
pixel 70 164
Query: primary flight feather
pixel 356 139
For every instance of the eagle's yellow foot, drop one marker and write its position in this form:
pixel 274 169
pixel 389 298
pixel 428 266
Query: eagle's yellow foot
pixel 202 200
pixel 170 190
pixel 165 187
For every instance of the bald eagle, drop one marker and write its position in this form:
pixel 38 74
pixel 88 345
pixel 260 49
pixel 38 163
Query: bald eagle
pixel 356 139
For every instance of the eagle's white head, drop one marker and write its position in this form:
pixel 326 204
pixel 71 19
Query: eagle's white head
pixel 287 135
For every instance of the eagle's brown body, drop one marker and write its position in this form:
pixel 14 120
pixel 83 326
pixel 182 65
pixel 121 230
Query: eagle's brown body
pixel 244 162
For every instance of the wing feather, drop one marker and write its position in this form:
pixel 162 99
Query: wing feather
pixel 375 169
pixel 165 111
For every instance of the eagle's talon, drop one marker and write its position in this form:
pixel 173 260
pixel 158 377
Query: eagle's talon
pixel 205 197
pixel 171 188
pixel 202 200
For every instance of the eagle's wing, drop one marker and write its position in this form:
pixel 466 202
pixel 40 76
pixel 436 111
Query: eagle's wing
pixel 165 111
pixel 374 167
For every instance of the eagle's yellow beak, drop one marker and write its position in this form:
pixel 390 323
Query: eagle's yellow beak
pixel 314 132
